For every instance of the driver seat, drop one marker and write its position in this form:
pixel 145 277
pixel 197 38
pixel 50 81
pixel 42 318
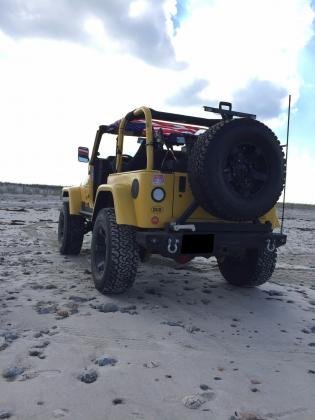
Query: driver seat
pixel 139 161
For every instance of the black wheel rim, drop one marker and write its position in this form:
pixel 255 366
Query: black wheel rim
pixel 246 170
pixel 100 250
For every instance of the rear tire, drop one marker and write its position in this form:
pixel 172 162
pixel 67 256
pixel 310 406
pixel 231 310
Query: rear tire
pixel 252 269
pixel 70 231
pixel 114 254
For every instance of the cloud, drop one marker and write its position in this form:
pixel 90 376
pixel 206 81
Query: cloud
pixel 189 95
pixel 138 26
pixel 102 73
pixel 229 44
pixel 301 169
pixel 260 97
pixel 42 19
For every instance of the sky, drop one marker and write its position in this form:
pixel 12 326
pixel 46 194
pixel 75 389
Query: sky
pixel 68 66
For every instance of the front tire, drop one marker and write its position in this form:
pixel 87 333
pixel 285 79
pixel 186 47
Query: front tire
pixel 253 268
pixel 70 231
pixel 114 254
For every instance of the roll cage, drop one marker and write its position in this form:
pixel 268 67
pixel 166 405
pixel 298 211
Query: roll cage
pixel 150 123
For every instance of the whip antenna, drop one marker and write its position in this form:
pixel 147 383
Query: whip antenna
pixel 286 161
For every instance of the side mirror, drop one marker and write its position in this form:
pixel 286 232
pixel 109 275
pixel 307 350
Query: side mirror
pixel 83 154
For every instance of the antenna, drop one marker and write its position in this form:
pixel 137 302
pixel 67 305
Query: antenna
pixel 286 162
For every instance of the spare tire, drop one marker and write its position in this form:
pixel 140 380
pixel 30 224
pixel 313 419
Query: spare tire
pixel 236 169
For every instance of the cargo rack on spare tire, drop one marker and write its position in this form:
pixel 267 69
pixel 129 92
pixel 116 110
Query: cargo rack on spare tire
pixel 228 114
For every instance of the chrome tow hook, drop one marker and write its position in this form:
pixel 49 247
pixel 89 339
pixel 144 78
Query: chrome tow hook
pixel 172 246
pixel 270 245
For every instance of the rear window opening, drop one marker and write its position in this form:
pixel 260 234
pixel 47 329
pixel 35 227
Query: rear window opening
pixel 197 244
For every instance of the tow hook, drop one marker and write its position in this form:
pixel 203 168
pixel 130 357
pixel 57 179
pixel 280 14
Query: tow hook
pixel 172 246
pixel 270 245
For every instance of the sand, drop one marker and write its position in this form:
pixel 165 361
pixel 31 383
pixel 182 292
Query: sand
pixel 181 344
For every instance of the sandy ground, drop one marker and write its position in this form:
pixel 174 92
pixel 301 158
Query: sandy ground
pixel 183 344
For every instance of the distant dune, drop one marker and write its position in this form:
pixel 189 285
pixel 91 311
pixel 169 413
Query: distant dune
pixel 297 205
pixel 13 188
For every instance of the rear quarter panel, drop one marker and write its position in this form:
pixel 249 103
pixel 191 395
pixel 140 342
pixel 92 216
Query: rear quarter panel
pixel 143 212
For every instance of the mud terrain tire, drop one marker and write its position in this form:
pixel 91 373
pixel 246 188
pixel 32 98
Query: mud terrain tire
pixel 236 169
pixel 254 268
pixel 114 254
pixel 70 231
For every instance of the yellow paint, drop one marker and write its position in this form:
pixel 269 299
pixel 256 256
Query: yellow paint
pixel 271 217
pixel 138 211
pixel 75 198
pixel 139 112
pixel 149 133
pixel 183 200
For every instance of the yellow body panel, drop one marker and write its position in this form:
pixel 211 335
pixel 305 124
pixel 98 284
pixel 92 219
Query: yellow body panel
pixel 86 193
pixel 271 216
pixel 183 199
pixel 79 196
pixel 143 207
pixel 75 198
pixel 124 208
pixel 139 211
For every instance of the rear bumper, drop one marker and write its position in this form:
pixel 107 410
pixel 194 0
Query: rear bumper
pixel 210 239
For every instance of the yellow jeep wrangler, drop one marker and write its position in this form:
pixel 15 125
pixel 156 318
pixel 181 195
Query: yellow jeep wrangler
pixel 188 187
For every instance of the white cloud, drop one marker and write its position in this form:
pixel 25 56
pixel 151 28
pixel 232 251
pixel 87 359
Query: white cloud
pixel 139 26
pixel 300 176
pixel 55 93
pixel 230 43
pixel 138 8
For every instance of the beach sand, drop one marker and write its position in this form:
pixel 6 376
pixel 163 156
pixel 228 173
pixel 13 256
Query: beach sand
pixel 181 344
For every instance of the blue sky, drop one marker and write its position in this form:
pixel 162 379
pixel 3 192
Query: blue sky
pixel 64 70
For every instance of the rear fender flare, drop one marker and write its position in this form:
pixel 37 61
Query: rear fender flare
pixel 119 197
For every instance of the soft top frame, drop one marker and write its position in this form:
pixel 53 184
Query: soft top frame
pixel 135 125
